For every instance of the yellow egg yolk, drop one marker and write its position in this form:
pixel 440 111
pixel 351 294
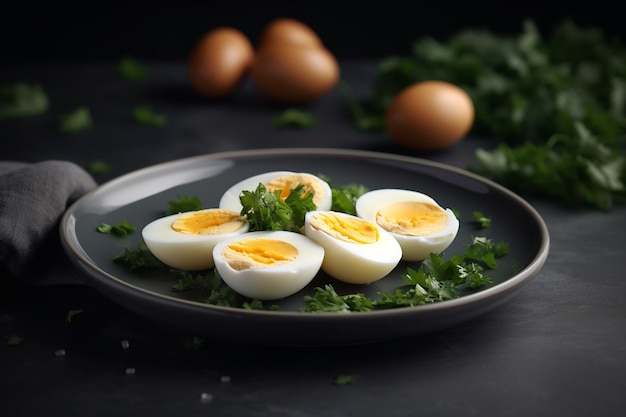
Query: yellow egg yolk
pixel 348 229
pixel 208 222
pixel 258 253
pixel 288 182
pixel 412 218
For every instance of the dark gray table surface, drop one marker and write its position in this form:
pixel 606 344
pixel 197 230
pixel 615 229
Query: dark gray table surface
pixel 558 348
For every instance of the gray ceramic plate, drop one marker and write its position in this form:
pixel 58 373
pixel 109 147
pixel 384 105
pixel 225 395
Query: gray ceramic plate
pixel 142 196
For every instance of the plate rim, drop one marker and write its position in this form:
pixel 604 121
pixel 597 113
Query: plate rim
pixel 516 281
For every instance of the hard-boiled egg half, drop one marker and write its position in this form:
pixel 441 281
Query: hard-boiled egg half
pixel 279 180
pixel 415 220
pixel 268 265
pixel 186 240
pixel 357 251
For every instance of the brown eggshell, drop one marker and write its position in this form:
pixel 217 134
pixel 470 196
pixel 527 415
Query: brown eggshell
pixel 286 30
pixel 219 61
pixel 429 115
pixel 291 73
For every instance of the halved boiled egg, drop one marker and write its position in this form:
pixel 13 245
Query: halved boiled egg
pixel 280 180
pixel 268 265
pixel 414 219
pixel 357 251
pixel 186 240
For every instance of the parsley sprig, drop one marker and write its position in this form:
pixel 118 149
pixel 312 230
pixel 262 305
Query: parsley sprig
pixel 265 210
pixel 436 280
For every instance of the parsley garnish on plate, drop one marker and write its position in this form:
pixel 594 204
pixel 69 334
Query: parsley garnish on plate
pixel 183 203
pixel 265 209
pixel 436 280
pixel 121 229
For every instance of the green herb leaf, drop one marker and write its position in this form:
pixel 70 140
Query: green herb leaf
pixel 482 221
pixel 294 118
pixel 99 167
pixel 344 379
pixel 139 259
pixel 265 210
pixel 72 314
pixel 14 340
pixel 22 100
pixel 76 121
pixel 183 204
pixel 132 70
pixel 144 115
pixel 436 280
pixel 122 229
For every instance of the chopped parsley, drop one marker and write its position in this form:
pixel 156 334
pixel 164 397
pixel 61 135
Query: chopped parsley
pixel 139 259
pixel 481 220
pixel 72 314
pixel 132 70
pixel 99 167
pixel 183 204
pixel 265 210
pixel 435 280
pixel 22 100
pixel 14 340
pixel 121 229
pixel 144 115
pixel 76 121
pixel 294 118
pixel 344 380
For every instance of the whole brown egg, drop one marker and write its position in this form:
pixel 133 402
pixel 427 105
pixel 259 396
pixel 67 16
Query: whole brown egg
pixel 429 115
pixel 291 64
pixel 219 61
pixel 287 30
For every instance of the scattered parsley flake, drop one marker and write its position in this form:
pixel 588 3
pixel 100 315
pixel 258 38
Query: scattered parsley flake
pixel 144 115
pixel 138 259
pixel 481 219
pixel 22 100
pixel 183 204
pixel 76 121
pixel 193 342
pixel 294 118
pixel 122 229
pixel 99 167
pixel 72 314
pixel 344 379
pixel 132 70
pixel 14 340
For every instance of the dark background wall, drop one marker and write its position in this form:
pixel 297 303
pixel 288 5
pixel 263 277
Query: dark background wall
pixel 166 30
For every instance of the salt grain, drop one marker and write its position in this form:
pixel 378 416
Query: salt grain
pixel 59 352
pixel 206 397
pixel 225 379
pixel 130 371
pixel 125 344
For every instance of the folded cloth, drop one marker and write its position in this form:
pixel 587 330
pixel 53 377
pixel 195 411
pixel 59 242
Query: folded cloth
pixel 33 198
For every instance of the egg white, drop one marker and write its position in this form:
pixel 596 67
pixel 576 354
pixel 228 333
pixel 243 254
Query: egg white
pixel 189 252
pixel 273 282
pixel 230 199
pixel 355 263
pixel 414 248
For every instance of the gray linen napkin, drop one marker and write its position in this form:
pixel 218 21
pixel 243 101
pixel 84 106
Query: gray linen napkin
pixel 33 198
